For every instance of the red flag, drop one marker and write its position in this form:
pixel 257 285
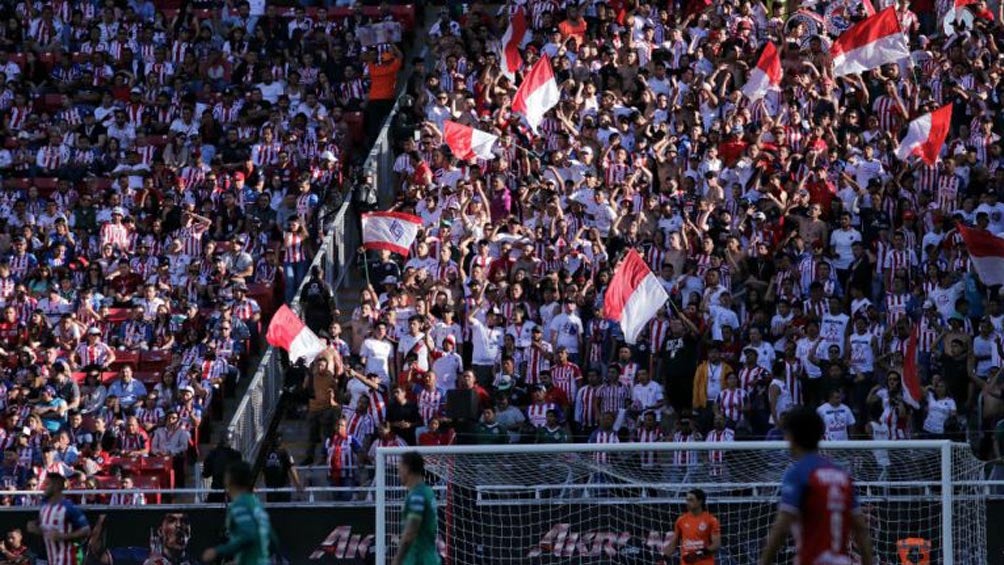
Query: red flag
pixel 987 252
pixel 911 376
pixel 537 94
pixel 870 43
pixel 633 296
pixel 926 135
pixel 468 143
pixel 288 332
pixel 515 38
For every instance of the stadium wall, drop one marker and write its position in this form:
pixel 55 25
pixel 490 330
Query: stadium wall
pixel 343 535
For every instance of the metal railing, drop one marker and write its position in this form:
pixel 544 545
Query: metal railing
pixel 341 238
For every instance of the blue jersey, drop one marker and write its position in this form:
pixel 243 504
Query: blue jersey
pixel 821 496
pixel 64 517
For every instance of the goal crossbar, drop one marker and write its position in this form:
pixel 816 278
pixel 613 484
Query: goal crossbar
pixel 384 477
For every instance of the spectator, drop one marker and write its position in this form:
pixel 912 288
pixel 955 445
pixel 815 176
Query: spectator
pixel 215 464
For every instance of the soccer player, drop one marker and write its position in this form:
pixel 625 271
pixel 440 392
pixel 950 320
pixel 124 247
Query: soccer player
pixel 418 543
pixel 817 505
pixel 60 523
pixel 696 532
pixel 247 522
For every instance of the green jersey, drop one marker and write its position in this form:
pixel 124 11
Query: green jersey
pixel 547 435
pixel 421 504
pixel 249 530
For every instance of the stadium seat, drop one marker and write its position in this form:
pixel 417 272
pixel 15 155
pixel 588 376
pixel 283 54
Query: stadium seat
pixel 46 185
pixel 148 378
pixel 154 361
pixel 17 184
pixel 118 315
pixel 123 358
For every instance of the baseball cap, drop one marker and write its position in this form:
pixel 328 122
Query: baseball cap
pixel 505 383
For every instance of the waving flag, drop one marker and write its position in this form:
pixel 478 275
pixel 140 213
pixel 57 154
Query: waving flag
pixel 910 377
pixel 468 143
pixel 926 135
pixel 958 18
pixel 987 252
pixel 634 296
pixel 392 231
pixel 288 332
pixel 537 94
pixel 870 43
pixel 766 75
pixel 515 38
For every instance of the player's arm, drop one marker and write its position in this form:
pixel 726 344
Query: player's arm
pixel 777 536
pixel 408 538
pixel 862 539
pixel 673 541
pixel 243 533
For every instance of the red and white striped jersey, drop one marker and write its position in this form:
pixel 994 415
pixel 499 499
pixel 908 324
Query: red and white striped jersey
pixel 603 437
pixel 889 114
pixel 361 426
pixel 429 404
pixel 750 376
pixel 566 377
pixel 895 307
pixel 97 354
pixel 536 414
pixel 658 331
pixel 644 435
pixel 732 402
pixel 685 457
pixel 948 193
pixel 717 456
pixel 586 409
pixel 64 517
pixel 793 379
pixel 293 249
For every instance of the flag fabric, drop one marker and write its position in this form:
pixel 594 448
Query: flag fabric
pixel 987 253
pixel 515 38
pixel 926 135
pixel 393 231
pixel 633 296
pixel 288 332
pixel 958 18
pixel 910 377
pixel 537 94
pixel 870 43
pixel 766 75
pixel 468 143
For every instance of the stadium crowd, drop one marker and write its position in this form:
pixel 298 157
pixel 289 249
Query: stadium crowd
pixel 799 252
pixel 164 164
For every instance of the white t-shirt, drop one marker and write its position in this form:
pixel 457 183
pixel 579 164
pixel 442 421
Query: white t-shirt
pixel 409 343
pixel 486 341
pixel 566 331
pixel 377 354
pixel 802 350
pixel 833 328
pixel 880 432
pixel 938 412
pixel 644 396
pixel 841 241
pixel 837 420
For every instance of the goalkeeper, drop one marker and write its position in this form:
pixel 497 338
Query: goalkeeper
pixel 696 532
pixel 247 522
pixel 418 543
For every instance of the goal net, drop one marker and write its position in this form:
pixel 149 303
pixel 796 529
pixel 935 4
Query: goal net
pixel 602 504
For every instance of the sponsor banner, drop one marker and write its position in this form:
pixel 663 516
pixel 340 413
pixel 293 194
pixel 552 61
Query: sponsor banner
pixel 574 534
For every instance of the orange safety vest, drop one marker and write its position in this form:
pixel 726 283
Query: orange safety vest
pixel 914 551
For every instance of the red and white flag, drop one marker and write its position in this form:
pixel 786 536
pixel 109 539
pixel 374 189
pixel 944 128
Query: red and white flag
pixel 634 296
pixel 288 332
pixel 766 76
pixel 926 135
pixel 468 143
pixel 537 94
pixel 911 377
pixel 987 252
pixel 515 39
pixel 392 231
pixel 870 43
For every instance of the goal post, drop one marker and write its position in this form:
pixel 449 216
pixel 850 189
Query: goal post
pixel 617 503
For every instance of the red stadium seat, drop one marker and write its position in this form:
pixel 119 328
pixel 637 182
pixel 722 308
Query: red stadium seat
pixel 46 185
pixel 154 361
pixel 148 378
pixel 118 315
pixel 17 184
pixel 130 358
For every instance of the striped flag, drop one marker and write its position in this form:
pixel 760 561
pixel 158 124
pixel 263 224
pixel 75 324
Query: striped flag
pixel 926 135
pixel 870 43
pixel 537 94
pixel 392 231
pixel 987 253
pixel 515 38
pixel 634 296
pixel 468 143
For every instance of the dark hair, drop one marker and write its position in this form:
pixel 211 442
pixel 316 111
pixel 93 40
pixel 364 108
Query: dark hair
pixel 414 462
pixel 805 427
pixel 240 475
pixel 700 495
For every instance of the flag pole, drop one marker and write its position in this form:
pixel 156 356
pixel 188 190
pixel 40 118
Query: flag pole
pixel 366 267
